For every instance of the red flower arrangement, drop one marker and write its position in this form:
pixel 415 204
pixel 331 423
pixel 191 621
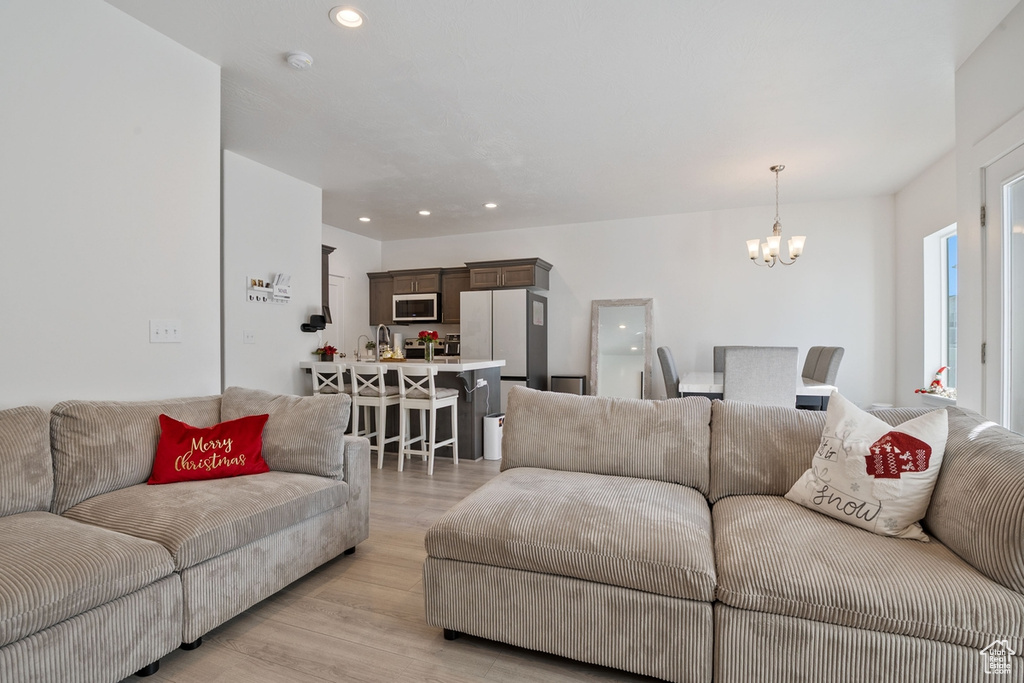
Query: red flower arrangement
pixel 428 337
pixel 327 349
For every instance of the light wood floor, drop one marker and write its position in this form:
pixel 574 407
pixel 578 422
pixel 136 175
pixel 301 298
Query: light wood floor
pixel 360 618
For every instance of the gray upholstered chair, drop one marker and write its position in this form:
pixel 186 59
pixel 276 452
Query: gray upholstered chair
pixel 822 363
pixel 668 370
pixel 719 360
pixel 765 375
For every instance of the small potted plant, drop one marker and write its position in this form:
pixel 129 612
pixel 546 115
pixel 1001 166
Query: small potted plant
pixel 429 338
pixel 326 352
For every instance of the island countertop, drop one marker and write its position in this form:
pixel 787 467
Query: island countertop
pixel 475 401
pixel 443 364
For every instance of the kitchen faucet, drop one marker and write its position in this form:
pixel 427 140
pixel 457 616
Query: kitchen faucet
pixel 387 339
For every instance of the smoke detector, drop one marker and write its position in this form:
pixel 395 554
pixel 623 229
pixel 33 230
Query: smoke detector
pixel 299 60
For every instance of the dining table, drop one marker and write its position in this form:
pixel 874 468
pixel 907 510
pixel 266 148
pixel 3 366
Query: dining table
pixel 810 395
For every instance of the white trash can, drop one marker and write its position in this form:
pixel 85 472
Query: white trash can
pixel 492 435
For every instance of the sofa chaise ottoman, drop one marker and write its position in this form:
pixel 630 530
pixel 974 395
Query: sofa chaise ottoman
pixel 654 537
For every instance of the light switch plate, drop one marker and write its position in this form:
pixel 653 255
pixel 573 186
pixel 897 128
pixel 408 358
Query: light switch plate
pixel 164 331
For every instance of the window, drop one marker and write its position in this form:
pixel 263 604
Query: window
pixel 948 294
pixel 940 306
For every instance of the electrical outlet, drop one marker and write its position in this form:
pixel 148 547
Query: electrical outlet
pixel 248 337
pixel 481 383
pixel 164 331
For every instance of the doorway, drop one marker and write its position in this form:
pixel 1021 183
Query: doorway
pixel 335 332
pixel 1003 292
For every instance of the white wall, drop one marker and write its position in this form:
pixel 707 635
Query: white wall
pixel 989 123
pixel 705 289
pixel 924 206
pixel 272 225
pixel 109 207
pixel 354 256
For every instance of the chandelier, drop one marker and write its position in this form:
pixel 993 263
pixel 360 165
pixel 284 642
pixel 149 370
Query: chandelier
pixel 768 251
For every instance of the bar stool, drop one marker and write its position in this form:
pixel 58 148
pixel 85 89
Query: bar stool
pixel 417 392
pixel 328 378
pixel 370 392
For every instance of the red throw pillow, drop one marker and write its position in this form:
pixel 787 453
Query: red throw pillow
pixel 228 449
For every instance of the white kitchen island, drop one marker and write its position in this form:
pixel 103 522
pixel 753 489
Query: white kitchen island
pixel 463 374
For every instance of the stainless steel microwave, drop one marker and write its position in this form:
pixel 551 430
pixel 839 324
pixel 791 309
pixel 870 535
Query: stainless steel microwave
pixel 414 308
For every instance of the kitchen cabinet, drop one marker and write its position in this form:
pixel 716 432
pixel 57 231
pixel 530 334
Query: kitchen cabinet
pixel 382 287
pixel 420 281
pixel 454 281
pixel 531 273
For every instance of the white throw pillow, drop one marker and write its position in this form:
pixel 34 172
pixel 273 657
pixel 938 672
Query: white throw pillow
pixel 872 475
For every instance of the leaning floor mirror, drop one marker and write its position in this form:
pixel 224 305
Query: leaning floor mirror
pixel 620 347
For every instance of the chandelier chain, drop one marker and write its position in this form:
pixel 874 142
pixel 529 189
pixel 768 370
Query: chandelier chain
pixel 768 253
pixel 777 194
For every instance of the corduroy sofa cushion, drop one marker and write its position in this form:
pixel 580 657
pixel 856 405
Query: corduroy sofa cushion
pixel 648 535
pixel 198 520
pixel 101 446
pixel 777 557
pixel 52 569
pixel 763 450
pixel 304 434
pixel 663 440
pixel 26 469
pixel 983 471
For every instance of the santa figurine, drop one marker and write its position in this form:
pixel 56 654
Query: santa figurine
pixel 936 386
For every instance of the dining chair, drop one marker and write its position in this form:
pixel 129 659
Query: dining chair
pixel 669 372
pixel 369 391
pixel 718 364
pixel 822 364
pixel 765 375
pixel 418 392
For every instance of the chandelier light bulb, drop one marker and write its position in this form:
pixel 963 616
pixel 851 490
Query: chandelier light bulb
pixel 770 249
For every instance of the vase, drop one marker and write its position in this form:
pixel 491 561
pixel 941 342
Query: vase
pixel 428 353
pixel 326 357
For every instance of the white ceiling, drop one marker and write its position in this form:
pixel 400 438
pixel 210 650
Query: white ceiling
pixel 567 111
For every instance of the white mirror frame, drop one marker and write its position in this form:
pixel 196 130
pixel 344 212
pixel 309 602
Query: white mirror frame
pixel 595 325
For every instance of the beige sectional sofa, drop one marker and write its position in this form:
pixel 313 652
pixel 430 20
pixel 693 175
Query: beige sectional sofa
pixel 102 574
pixel 653 536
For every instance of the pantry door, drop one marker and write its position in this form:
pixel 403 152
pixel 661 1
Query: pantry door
pixel 1003 239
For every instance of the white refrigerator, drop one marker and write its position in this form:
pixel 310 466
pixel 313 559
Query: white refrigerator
pixel 508 324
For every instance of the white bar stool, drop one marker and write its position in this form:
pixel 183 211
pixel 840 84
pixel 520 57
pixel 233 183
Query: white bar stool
pixel 417 392
pixel 370 392
pixel 329 378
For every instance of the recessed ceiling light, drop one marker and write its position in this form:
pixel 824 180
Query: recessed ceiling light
pixel 347 17
pixel 490 205
pixel 633 348
pixel 622 327
pixel 299 60
pixel 424 212
pixel 364 219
